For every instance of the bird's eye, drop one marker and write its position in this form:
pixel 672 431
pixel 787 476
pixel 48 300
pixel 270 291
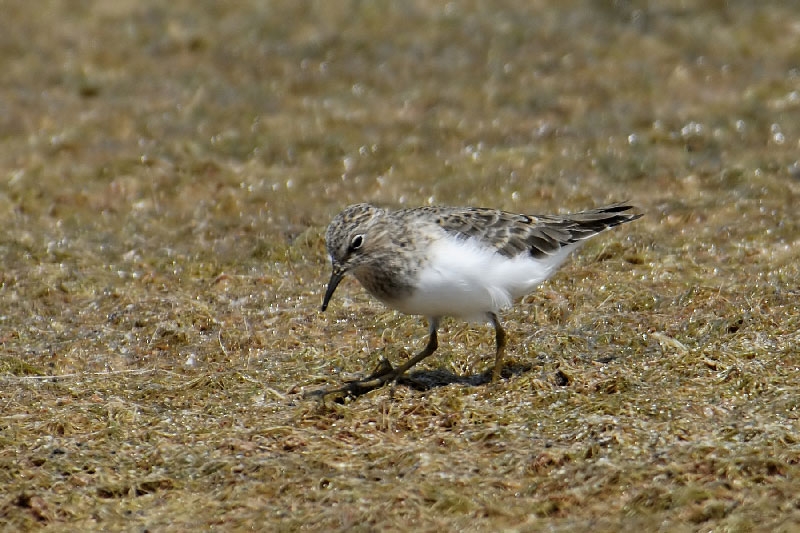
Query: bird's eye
pixel 357 241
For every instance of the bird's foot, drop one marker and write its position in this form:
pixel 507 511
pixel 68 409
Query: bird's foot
pixel 383 368
pixel 382 374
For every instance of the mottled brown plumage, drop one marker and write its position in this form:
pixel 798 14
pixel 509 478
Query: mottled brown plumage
pixel 512 234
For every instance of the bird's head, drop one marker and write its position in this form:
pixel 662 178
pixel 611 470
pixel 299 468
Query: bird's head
pixel 349 239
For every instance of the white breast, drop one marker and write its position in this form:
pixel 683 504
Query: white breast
pixel 466 279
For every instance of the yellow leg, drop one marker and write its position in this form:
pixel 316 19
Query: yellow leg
pixel 500 340
pixel 433 343
pixel 385 373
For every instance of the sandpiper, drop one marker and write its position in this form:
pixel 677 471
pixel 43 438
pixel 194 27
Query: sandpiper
pixel 464 262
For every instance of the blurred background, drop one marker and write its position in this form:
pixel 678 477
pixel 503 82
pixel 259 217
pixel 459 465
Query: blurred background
pixel 168 169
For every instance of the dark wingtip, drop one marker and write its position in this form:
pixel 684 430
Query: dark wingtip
pixel 622 207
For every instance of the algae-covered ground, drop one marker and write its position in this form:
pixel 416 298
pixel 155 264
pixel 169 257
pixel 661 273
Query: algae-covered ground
pixel 168 170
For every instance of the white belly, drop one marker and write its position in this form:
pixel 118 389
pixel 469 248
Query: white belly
pixel 465 279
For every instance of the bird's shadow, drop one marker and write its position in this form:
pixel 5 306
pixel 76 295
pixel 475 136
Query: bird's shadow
pixel 420 380
pixel 424 380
